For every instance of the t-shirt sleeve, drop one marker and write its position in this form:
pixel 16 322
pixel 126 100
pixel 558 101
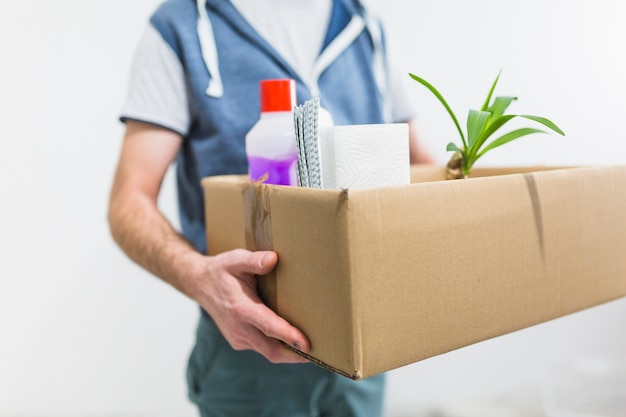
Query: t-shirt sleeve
pixel 156 89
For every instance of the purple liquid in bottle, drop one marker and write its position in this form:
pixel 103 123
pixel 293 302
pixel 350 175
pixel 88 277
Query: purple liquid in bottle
pixel 281 172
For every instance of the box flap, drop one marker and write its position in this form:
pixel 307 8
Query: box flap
pixel 309 233
pixel 446 264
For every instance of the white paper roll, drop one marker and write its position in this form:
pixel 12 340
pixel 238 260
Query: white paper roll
pixel 362 156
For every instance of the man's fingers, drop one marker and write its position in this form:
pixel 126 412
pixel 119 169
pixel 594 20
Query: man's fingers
pixel 273 350
pixel 250 324
pixel 263 262
pixel 257 263
pixel 274 326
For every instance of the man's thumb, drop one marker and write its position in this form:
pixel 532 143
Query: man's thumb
pixel 264 262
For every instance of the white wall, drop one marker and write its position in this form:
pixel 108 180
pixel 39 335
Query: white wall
pixel 85 332
pixel 565 60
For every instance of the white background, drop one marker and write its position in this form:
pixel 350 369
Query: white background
pixel 84 332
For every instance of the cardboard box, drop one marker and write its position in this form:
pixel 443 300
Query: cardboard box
pixel 380 278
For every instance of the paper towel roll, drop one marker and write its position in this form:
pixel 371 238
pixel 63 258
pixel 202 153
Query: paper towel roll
pixel 362 156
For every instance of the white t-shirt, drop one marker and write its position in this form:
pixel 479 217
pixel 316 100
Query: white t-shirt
pixel 157 91
pixel 295 28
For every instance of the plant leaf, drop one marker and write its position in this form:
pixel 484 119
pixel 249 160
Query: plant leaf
pixel 547 123
pixel 508 138
pixel 500 105
pixel 493 125
pixel 493 87
pixel 452 147
pixel 443 101
pixel 476 121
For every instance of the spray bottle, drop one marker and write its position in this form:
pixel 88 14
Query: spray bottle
pixel 271 143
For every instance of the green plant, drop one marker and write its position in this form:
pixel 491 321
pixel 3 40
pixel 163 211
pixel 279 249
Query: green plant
pixel 481 126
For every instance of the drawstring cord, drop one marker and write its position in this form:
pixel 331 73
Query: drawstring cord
pixel 209 51
pixel 210 57
pixel 378 64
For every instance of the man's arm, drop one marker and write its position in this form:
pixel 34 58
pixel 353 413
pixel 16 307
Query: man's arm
pixel 222 285
pixel 418 154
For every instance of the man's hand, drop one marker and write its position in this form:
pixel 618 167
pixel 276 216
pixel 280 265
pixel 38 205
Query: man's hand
pixel 223 285
pixel 228 292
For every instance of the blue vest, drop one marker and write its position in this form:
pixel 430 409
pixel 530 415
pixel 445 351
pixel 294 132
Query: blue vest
pixel 215 144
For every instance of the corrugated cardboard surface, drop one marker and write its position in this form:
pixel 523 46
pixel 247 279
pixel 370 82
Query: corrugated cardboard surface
pixel 379 278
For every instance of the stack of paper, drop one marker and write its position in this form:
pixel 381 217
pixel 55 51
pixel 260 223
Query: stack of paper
pixel 309 167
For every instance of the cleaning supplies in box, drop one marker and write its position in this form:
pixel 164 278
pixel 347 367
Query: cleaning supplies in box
pixel 362 156
pixel 309 120
pixel 271 143
pixel 349 157
pixel 298 145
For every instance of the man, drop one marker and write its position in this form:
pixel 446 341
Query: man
pixel 193 96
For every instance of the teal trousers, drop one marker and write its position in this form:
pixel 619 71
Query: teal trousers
pixel 223 382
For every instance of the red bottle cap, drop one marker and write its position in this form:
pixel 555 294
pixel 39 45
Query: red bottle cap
pixel 278 95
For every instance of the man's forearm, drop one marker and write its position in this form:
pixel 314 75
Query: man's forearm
pixel 223 285
pixel 149 239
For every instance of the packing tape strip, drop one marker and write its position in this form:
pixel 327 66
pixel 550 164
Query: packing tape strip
pixel 258 228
